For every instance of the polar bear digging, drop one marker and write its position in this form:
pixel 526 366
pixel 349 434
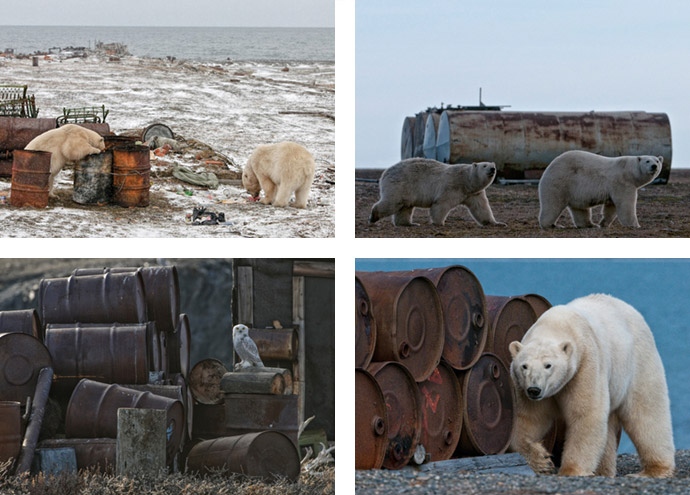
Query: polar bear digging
pixel 594 364
pixel 580 180
pixel 424 183
pixel 280 170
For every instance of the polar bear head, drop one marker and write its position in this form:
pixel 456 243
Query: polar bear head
pixel 250 182
pixel 541 368
pixel 483 174
pixel 648 168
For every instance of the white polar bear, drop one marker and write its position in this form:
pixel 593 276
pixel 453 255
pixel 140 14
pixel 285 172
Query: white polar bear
pixel 280 169
pixel 67 144
pixel 425 183
pixel 592 363
pixel 580 180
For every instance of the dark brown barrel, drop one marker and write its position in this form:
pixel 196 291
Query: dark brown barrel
pixel 179 348
pixel 509 320
pixel 102 401
pixel 21 321
pixel 407 139
pixel 371 424
pixel 365 327
pixel 91 453
pixel 539 303
pixel 131 175
pixel 441 413
pixel 109 297
pixel 10 430
pixel 16 133
pixel 93 179
pixel 22 357
pixel 268 455
pixel 115 353
pixel 6 160
pixel 249 413
pixel 404 413
pixel 30 174
pixel 488 408
pixel 409 320
pixel 113 141
pixel 204 380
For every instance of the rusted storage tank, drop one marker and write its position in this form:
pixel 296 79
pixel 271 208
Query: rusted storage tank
pixel 407 139
pixel 268 455
pixel 250 413
pixel 91 453
pixel 22 357
pixel 442 413
pixel 365 327
pixel 371 423
pixel 131 175
pixel 489 414
pixel 22 321
pixel 409 320
pixel 430 133
pixel 404 413
pixel 10 430
pixel 522 144
pixel 539 303
pixel 30 178
pixel 509 320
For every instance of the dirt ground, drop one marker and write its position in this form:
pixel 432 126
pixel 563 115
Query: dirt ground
pixel 662 210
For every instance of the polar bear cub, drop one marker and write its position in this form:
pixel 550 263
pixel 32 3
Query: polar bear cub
pixel 580 180
pixel 68 144
pixel 280 170
pixel 592 363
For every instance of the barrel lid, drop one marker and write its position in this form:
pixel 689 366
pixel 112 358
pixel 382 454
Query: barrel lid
pixel 365 327
pixel 509 320
pixel 272 455
pixel 204 381
pixel 371 425
pixel 22 356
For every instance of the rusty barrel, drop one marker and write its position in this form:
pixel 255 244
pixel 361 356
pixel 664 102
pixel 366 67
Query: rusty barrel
pixel 103 298
pixel 365 327
pixel 539 303
pixel 102 401
pixel 21 321
pixel 114 141
pixel 131 175
pixel 441 399
pixel 409 320
pixel 509 320
pixel 22 357
pixel 179 347
pixel 404 414
pixel 91 453
pixel 268 455
pixel 10 430
pixel 407 138
pixel 16 132
pixel 101 128
pixel 30 174
pixel 180 381
pixel 488 403
pixel 93 179
pixel 114 353
pixel 249 413
pixel 276 343
pixel 371 424
pixel 204 380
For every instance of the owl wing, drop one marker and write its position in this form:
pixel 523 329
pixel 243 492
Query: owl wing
pixel 248 351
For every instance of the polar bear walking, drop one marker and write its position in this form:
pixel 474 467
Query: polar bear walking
pixel 579 180
pixel 592 363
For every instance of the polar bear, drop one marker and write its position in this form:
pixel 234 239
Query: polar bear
pixel 67 144
pixel 280 170
pixel 592 363
pixel 580 180
pixel 425 183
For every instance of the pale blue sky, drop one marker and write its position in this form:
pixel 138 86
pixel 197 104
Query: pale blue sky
pixel 534 55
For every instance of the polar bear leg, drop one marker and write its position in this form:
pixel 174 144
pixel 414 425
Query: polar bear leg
pixel 383 208
pixel 269 190
pixel 403 217
pixel 585 441
pixel 57 163
pixel 549 212
pixel 609 214
pixel 301 196
pixel 439 212
pixel 480 209
pixel 607 465
pixel 533 423
pixel 283 195
pixel 626 205
pixel 582 218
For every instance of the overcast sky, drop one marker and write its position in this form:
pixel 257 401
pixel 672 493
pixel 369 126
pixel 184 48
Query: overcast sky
pixel 254 13
pixel 534 55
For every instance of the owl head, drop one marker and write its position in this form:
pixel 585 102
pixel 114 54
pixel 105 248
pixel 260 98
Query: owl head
pixel 240 331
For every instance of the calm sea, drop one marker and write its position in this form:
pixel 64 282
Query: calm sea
pixel 658 289
pixel 205 44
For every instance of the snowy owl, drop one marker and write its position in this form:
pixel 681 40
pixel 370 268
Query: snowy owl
pixel 245 348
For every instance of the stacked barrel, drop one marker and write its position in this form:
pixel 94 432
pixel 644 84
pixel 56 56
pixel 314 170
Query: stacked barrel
pixel 432 365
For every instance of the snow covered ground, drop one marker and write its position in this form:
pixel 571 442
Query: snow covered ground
pixel 232 107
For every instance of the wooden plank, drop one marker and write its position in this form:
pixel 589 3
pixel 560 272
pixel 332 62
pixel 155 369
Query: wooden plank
pixel 505 463
pixel 298 321
pixel 323 269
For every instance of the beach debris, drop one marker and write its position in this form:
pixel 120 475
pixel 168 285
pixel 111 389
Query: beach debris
pixel 82 115
pixel 14 102
pixel 201 216
pixel 186 174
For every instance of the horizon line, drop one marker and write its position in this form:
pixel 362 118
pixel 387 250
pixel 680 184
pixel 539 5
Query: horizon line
pixel 176 26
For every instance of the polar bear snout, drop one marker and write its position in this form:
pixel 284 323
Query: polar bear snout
pixel 534 393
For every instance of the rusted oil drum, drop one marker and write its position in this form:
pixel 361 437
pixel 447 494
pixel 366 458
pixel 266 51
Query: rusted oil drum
pixel 204 380
pixel 131 175
pixel 109 297
pixel 101 128
pixel 409 320
pixel 22 357
pixel 179 348
pixel 10 430
pixel 509 320
pixel 30 174
pixel 276 343
pixel 249 413
pixel 371 424
pixel 91 453
pixel 441 413
pixel 365 327
pixel 113 141
pixel 522 144
pixel 6 163
pixel 464 313
pixel 16 132
pixel 430 132
pixel 404 413
pixel 102 401
pixel 488 403
pixel 268 455
pixel 115 353
pixel 407 139
pixel 93 179
pixel 539 303
pixel 22 321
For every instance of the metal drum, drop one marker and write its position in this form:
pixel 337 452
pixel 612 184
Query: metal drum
pixel 131 175
pixel 509 320
pixel 16 133
pixel 113 141
pixel 21 321
pixel 93 179
pixel 91 453
pixel 539 303
pixel 10 430
pixel 22 357
pixel 371 432
pixel 365 327
pixel 249 413
pixel 204 380
pixel 30 178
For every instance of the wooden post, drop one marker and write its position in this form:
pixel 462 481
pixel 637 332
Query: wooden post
pixel 299 368
pixel 245 301
pixel 141 441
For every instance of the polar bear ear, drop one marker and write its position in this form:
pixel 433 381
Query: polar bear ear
pixel 661 159
pixel 567 348
pixel 514 348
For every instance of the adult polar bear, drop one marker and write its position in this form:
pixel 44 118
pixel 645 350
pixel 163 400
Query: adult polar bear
pixel 580 180
pixel 425 183
pixel 594 364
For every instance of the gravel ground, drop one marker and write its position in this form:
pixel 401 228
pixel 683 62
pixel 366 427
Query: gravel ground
pixel 411 481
